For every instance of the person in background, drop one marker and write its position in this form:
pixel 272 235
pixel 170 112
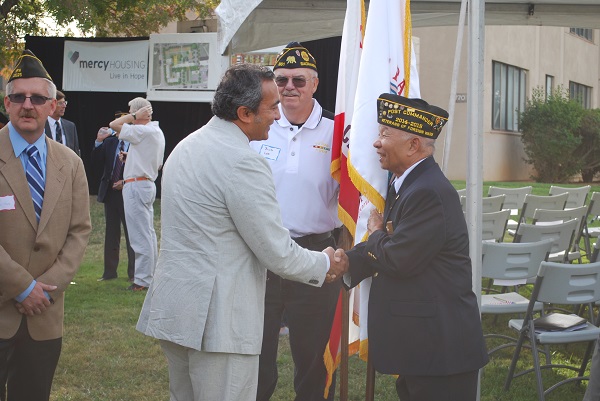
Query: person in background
pixel 424 323
pixel 61 129
pixel 45 226
pixel 144 160
pixel 3 120
pixel 221 231
pixel 298 150
pixel 108 156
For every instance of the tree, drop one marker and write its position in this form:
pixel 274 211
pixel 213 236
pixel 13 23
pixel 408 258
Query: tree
pixel 588 151
pixel 98 18
pixel 549 133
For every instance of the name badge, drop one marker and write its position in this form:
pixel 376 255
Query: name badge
pixel 7 202
pixel 269 152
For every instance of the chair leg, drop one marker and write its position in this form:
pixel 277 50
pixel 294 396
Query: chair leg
pixel 536 362
pixel 515 359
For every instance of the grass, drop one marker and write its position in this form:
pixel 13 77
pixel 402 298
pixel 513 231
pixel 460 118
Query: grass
pixel 105 359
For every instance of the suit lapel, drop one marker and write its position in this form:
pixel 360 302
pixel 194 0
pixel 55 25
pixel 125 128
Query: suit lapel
pixel 55 181
pixel 47 130
pixel 410 178
pixel 12 170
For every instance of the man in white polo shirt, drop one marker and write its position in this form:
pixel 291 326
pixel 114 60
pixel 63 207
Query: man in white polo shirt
pixel 299 152
pixel 144 160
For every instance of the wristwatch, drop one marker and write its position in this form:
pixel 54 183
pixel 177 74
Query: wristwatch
pixel 133 114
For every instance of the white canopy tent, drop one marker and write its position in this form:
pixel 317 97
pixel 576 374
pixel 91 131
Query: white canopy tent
pixel 255 24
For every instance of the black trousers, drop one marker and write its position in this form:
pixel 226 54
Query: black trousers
pixel 309 314
pixel 114 213
pixel 462 386
pixel 27 366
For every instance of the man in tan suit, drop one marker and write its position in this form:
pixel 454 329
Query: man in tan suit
pixel 44 229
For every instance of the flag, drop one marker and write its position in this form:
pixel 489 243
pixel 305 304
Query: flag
pixel 386 63
pixel 351 47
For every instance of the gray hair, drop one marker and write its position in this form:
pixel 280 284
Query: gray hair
pixel 241 85
pixel 138 103
pixel 51 87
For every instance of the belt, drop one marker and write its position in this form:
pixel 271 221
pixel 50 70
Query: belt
pixel 312 239
pixel 136 179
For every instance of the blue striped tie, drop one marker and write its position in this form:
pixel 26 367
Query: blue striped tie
pixel 35 178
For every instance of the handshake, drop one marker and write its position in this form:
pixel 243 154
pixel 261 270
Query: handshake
pixel 338 264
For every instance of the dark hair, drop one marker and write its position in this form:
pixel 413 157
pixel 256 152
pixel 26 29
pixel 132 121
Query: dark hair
pixel 241 85
pixel 59 95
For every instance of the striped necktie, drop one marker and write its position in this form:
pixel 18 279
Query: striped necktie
pixel 117 173
pixel 58 133
pixel 35 178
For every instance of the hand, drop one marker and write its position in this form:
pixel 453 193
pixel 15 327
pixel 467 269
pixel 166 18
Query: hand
pixel 145 113
pixel 118 186
pixel 123 156
pixel 375 221
pixel 338 264
pixel 36 302
pixel 103 133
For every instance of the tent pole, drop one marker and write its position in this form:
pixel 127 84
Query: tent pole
pixel 453 85
pixel 475 111
pixel 370 390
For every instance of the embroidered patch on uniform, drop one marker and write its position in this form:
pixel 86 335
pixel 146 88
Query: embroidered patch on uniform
pixel 269 152
pixel 321 147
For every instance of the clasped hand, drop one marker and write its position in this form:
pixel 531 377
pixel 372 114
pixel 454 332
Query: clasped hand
pixel 338 264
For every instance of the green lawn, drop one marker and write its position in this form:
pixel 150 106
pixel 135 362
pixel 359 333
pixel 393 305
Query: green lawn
pixel 105 359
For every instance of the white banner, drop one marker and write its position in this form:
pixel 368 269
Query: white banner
pixel 105 66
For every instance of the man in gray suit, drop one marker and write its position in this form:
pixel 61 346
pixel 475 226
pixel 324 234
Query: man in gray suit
pixel 60 129
pixel 221 231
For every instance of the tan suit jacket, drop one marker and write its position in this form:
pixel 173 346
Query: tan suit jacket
pixel 49 252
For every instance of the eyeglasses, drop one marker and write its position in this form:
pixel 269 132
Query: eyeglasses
pixel 36 100
pixel 298 82
pixel 62 103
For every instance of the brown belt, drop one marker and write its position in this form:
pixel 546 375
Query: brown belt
pixel 136 179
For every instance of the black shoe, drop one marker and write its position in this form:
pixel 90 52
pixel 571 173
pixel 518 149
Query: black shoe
pixel 106 278
pixel 135 287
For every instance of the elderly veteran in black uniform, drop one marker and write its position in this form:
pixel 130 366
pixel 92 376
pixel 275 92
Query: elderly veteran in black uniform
pixel 424 322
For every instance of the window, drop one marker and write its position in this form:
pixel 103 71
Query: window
pixel 581 93
pixel 509 84
pixel 585 33
pixel 549 85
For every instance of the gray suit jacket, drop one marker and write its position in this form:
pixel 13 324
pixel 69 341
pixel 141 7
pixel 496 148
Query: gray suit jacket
pixel 70 133
pixel 221 230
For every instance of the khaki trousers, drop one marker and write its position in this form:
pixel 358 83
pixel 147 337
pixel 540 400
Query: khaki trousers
pixel 207 376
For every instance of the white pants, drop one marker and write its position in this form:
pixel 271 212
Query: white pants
pixel 209 376
pixel 138 200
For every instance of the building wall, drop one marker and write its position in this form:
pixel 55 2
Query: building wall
pixel 540 51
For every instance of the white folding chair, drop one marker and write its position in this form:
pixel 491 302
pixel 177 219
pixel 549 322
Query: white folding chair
pixel 462 192
pixel 562 235
pixel 510 262
pixel 493 225
pixel 544 216
pixel 533 202
pixel 592 215
pixel 513 200
pixel 577 196
pixel 556 283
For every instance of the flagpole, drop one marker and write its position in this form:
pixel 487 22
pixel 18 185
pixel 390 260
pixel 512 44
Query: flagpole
pixel 370 390
pixel 344 349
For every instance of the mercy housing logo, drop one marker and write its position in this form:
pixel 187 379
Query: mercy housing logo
pixel 106 64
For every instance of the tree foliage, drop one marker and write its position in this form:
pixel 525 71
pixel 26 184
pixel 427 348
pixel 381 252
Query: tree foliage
pixel 560 136
pixel 98 18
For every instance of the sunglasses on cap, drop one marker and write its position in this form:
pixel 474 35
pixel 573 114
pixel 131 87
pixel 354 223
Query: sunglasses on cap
pixel 298 82
pixel 36 100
